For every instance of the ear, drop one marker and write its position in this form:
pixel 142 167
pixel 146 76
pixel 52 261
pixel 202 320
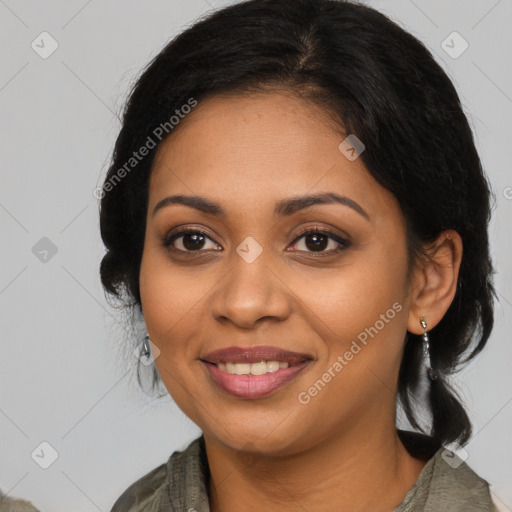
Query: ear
pixel 434 282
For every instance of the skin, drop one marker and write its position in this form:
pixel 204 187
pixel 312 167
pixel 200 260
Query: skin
pixel 340 451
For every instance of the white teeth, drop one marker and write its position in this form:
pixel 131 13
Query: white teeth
pixel 272 366
pixel 258 368
pixel 242 368
pixel 252 368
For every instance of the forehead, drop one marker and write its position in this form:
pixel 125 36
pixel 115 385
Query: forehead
pixel 260 145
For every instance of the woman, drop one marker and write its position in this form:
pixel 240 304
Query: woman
pixel 297 209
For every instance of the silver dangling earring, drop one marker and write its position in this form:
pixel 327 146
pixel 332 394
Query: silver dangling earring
pixel 146 347
pixel 426 350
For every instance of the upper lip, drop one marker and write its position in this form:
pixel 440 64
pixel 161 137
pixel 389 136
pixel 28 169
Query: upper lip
pixel 254 355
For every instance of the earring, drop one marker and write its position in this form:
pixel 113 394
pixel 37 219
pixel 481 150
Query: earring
pixel 426 350
pixel 146 347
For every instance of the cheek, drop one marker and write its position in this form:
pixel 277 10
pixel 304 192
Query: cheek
pixel 173 302
pixel 362 310
pixel 169 303
pixel 356 297
pixel 363 319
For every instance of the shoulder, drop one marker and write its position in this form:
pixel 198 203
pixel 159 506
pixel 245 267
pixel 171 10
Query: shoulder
pixel 144 494
pixel 454 483
pixel 181 479
pixel 446 482
pixel 9 504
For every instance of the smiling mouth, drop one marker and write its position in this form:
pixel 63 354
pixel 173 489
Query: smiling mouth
pixel 254 372
pixel 248 385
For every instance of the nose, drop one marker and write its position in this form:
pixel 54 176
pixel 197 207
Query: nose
pixel 250 293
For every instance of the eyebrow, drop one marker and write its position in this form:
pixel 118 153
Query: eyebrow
pixel 284 207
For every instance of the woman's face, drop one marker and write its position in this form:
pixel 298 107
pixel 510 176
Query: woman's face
pixel 333 306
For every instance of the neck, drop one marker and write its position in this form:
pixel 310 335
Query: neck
pixel 364 470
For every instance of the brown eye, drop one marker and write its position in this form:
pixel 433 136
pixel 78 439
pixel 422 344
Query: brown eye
pixel 317 240
pixel 189 241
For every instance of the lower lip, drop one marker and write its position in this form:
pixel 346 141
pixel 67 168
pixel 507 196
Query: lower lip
pixel 254 386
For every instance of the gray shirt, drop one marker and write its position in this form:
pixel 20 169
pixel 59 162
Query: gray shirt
pixel 181 484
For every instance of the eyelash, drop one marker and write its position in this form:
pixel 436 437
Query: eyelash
pixel 343 242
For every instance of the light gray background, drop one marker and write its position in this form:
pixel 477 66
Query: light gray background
pixel 62 378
